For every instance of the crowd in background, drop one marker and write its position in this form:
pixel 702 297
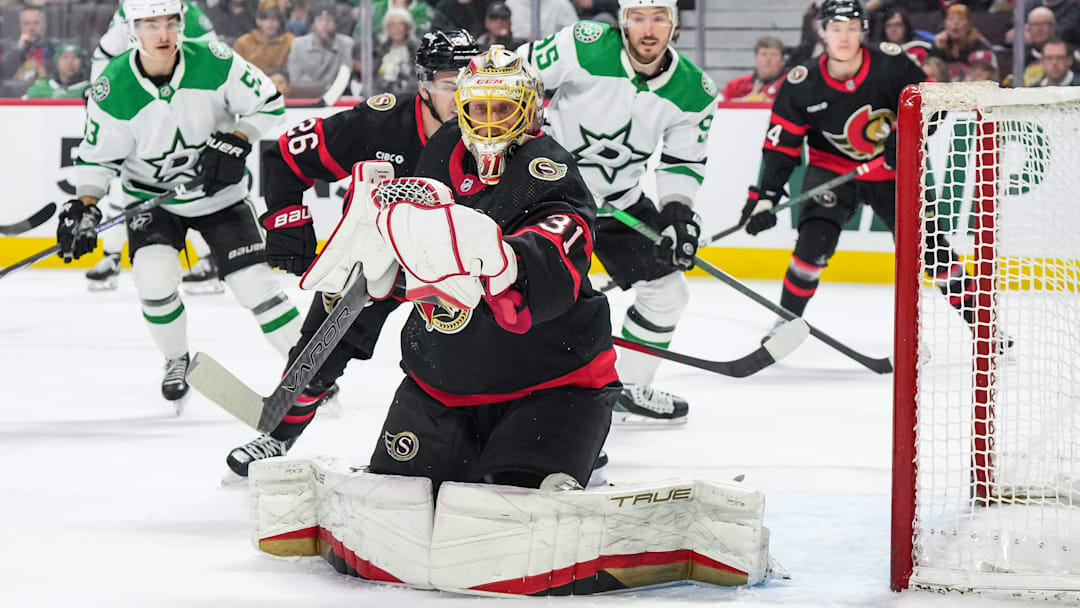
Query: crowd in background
pixel 46 45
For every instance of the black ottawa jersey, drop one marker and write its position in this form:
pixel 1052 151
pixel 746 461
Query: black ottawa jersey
pixel 845 123
pixel 381 128
pixel 547 215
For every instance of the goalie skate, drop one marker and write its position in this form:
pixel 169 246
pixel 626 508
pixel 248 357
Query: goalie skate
pixel 105 274
pixel 644 405
pixel 203 278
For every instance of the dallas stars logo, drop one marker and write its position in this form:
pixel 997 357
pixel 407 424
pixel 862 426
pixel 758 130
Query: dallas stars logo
pixel 179 160
pixel 608 153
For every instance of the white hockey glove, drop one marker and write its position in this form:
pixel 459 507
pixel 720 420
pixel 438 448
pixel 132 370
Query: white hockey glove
pixel 451 253
pixel 356 239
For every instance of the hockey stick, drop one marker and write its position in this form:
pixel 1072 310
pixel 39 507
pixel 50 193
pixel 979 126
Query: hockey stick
pixel 129 213
pixel 785 339
pixel 806 195
pixel 38 218
pixel 264 413
pixel 880 366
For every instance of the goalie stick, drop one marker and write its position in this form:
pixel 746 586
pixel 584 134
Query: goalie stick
pixel 880 366
pixel 779 345
pixel 264 413
pixel 38 218
pixel 130 212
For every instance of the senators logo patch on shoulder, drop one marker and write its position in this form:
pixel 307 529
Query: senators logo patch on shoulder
pixel 891 48
pixel 100 89
pixel 547 169
pixel 587 31
pixel 220 50
pixel 382 102
pixel 797 74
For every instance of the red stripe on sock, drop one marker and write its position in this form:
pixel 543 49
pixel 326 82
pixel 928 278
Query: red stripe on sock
pixel 295 419
pixel 799 291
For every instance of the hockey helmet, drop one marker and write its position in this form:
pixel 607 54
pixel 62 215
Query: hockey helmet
pixel 671 5
pixel 498 77
pixel 444 52
pixel 143 9
pixel 842 10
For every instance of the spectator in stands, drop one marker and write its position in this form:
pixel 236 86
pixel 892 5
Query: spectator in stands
pixel 316 60
pixel 983 65
pixel 70 81
pixel 497 28
pixel 421 12
pixel 763 83
pixel 809 38
pixel 896 27
pixel 1067 17
pixel 297 22
pixel 959 40
pixel 936 69
pixel 356 81
pixel 32 55
pixel 233 18
pixel 452 15
pixel 267 46
pixel 597 10
pixel 280 78
pixel 1057 62
pixel 908 5
pixel 1040 28
pixel 395 50
pixel 554 15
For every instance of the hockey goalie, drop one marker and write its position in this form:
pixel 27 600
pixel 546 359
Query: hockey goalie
pixel 476 481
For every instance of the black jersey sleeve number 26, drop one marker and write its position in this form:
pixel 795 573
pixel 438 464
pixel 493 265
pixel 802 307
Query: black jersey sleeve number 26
pixel 303 137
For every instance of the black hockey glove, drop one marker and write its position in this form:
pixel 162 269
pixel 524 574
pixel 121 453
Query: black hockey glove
pixel 290 239
pixel 890 149
pixel 757 213
pixel 75 233
pixel 681 228
pixel 222 161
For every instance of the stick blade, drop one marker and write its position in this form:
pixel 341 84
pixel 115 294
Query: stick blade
pixel 787 338
pixel 223 388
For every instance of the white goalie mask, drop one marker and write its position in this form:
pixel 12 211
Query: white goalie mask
pixel 626 6
pixel 508 96
pixel 135 10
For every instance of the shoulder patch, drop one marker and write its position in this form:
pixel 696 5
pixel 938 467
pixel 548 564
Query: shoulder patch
pixel 100 89
pixel 587 31
pixel 891 48
pixel 547 169
pixel 708 84
pixel 220 50
pixel 382 102
pixel 797 74
pixel 205 23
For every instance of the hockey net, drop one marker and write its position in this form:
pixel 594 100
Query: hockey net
pixel 986 471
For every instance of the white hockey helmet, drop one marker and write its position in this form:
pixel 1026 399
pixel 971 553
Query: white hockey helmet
pixel 498 75
pixel 142 9
pixel 625 6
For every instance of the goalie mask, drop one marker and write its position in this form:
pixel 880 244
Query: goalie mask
pixel 499 100
pixel 134 10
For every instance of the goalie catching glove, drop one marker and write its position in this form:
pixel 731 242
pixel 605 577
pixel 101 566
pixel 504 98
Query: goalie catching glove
pixel 75 233
pixel 757 213
pixel 449 252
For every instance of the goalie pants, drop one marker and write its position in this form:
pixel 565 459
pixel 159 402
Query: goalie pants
pixel 821 220
pixel 518 442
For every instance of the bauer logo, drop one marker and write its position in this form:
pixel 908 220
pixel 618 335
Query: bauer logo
pixel 653 497
pixel 402 446
pixel 382 102
pixel 547 169
pixel 245 250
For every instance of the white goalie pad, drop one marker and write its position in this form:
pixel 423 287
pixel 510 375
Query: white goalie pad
pixel 502 540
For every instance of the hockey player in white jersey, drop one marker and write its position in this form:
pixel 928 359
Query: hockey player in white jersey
pixel 159 115
pixel 203 277
pixel 620 94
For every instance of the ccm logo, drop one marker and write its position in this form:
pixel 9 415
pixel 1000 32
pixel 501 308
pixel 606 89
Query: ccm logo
pixel 225 147
pixel 654 497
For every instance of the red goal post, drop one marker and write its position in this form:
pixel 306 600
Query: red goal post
pixel 986 435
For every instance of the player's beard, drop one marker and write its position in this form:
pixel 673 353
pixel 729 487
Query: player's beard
pixel 638 57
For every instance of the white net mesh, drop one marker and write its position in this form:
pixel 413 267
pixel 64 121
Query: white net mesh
pixel 416 190
pixel 998 394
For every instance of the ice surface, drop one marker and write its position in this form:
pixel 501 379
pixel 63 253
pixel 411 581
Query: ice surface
pixel 109 499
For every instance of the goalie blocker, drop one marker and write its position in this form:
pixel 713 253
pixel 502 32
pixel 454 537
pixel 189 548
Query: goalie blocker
pixel 502 540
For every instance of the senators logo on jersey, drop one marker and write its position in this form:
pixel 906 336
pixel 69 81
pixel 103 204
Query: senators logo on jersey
pixel 443 319
pixel 864 133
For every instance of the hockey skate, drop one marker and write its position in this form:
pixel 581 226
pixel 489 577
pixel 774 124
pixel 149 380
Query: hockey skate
pixel 598 479
pixel 104 275
pixel 644 405
pixel 203 278
pixel 174 386
pixel 263 446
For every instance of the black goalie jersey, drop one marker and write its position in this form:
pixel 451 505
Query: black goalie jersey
pixel 547 215
pixel 381 128
pixel 845 123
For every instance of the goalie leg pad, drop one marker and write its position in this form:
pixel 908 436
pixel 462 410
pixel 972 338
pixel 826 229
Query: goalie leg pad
pixel 283 506
pixel 501 540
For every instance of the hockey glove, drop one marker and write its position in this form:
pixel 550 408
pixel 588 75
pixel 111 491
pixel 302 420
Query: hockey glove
pixel 680 228
pixel 222 161
pixel 890 149
pixel 757 213
pixel 75 233
pixel 290 239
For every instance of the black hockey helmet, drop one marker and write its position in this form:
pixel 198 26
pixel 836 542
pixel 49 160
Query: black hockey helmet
pixel 444 52
pixel 841 10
